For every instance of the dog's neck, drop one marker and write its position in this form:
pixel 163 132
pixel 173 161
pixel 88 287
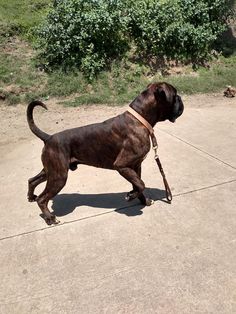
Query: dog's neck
pixel 148 112
pixel 141 119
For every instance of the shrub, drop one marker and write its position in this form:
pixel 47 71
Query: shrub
pixel 87 34
pixel 179 29
pixel 90 34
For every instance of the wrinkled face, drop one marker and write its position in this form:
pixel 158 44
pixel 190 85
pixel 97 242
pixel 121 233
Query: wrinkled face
pixel 169 103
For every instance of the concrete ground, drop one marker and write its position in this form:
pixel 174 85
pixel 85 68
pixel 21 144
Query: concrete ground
pixel 109 256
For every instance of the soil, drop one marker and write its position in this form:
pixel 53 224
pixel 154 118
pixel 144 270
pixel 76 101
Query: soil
pixel 14 129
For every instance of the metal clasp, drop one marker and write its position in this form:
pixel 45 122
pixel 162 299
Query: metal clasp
pixel 155 151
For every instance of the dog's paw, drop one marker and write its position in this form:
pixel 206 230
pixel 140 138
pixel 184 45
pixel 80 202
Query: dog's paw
pixel 73 166
pixel 32 198
pixel 127 198
pixel 52 220
pixel 149 202
pixel 131 196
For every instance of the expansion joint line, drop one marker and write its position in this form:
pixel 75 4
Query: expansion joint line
pixel 199 149
pixel 108 212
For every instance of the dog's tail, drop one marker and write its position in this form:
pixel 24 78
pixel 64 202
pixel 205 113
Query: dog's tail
pixel 42 135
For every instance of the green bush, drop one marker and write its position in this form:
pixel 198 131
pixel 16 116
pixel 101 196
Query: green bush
pixel 90 34
pixel 183 30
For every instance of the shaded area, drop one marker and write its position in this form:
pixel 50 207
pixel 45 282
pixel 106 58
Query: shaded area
pixel 64 204
pixel 226 43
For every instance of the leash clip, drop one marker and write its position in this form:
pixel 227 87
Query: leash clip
pixel 155 151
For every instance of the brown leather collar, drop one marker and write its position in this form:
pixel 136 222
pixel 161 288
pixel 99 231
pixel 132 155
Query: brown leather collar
pixel 141 119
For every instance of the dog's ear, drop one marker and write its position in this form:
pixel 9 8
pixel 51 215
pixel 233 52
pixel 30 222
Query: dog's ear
pixel 160 93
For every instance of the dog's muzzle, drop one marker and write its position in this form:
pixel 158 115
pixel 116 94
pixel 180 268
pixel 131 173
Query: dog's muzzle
pixel 178 109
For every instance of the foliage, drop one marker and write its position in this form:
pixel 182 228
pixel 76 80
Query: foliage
pixel 178 29
pixel 21 81
pixel 88 34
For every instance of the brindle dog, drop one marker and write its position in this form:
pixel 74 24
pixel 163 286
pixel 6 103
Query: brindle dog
pixel 120 143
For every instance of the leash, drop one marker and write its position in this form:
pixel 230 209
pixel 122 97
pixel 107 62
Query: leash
pixel 169 196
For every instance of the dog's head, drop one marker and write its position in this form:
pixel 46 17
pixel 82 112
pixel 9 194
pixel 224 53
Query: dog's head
pixel 168 103
pixel 159 102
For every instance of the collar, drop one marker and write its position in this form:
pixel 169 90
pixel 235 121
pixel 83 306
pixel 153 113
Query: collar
pixel 141 119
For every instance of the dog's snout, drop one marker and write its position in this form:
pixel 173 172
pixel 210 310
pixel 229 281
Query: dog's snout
pixel 181 106
pixel 178 109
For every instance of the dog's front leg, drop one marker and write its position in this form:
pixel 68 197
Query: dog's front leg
pixel 141 197
pixel 138 186
pixel 125 158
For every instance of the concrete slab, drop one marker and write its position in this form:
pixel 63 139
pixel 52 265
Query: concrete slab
pixel 112 257
pixel 210 128
pixel 172 259
pixel 91 191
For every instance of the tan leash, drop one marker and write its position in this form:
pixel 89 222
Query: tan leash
pixel 169 196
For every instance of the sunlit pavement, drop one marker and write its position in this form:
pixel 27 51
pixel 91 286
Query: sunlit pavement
pixel 110 256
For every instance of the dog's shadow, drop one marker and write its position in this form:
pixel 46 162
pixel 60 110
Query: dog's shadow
pixel 64 204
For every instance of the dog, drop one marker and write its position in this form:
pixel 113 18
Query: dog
pixel 120 143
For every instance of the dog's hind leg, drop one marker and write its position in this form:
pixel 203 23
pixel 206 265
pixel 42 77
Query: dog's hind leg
pixel 56 167
pixel 54 185
pixel 33 182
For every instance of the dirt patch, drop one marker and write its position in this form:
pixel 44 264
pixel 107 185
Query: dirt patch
pixel 14 127
pixel 17 47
